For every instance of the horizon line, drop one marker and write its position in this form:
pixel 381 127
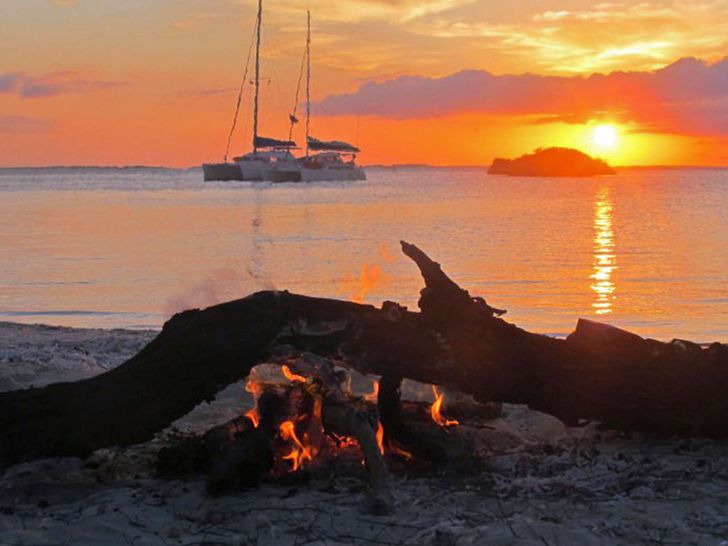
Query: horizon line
pixel 370 166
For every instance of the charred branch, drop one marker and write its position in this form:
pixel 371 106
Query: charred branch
pixel 232 456
pixel 345 420
pixel 409 432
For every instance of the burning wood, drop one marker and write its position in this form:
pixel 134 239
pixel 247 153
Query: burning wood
pixel 346 420
pixel 308 419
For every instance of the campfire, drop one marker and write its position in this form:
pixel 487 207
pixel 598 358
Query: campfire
pixel 304 417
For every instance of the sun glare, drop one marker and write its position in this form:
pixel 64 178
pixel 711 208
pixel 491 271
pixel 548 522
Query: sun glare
pixel 605 136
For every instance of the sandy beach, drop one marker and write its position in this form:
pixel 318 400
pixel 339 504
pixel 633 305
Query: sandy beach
pixel 542 483
pixel 372 272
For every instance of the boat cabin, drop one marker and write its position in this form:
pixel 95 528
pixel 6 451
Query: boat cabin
pixel 328 159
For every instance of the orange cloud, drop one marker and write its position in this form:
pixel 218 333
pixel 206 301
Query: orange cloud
pixel 193 21
pixel 401 11
pixel 24 124
pixel 687 97
pixel 56 83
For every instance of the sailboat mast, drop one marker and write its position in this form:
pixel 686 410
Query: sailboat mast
pixel 257 75
pixel 308 78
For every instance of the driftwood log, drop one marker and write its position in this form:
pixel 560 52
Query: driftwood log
pixel 598 373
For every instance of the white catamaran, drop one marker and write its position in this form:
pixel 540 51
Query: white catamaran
pixel 267 152
pixel 334 160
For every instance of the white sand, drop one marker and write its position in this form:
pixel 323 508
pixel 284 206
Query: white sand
pixel 35 355
pixel 544 484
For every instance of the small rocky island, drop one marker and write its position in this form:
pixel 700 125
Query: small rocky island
pixel 551 162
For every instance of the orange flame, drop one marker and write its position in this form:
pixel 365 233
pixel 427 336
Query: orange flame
pixel 380 437
pixel 357 287
pixel 254 416
pixel 372 396
pixel 300 452
pixel 435 410
pixel 292 376
pixel 254 387
pixel 384 252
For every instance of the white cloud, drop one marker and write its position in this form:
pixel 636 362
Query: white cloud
pixel 606 36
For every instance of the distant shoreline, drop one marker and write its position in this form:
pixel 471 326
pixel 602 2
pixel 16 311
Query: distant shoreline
pixel 129 168
pixel 47 168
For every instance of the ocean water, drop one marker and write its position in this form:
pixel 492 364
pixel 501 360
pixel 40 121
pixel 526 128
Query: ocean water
pixel 646 249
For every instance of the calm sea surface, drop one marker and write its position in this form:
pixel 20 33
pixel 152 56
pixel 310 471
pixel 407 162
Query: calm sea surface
pixel 645 249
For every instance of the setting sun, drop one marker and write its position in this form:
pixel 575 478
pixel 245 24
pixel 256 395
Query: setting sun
pixel 605 136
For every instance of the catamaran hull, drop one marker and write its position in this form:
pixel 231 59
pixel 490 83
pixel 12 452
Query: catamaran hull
pixel 332 174
pixel 252 170
pixel 221 171
pixel 283 175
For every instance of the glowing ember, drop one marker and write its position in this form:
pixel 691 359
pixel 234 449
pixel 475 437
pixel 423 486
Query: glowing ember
pixel 344 441
pixel 299 453
pixel 436 407
pixel 400 451
pixel 317 408
pixel 380 437
pixel 292 376
pixel 372 396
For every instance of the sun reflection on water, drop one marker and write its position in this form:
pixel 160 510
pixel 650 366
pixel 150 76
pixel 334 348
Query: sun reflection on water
pixel 605 258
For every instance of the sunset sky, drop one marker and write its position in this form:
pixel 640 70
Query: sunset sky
pixel 154 82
